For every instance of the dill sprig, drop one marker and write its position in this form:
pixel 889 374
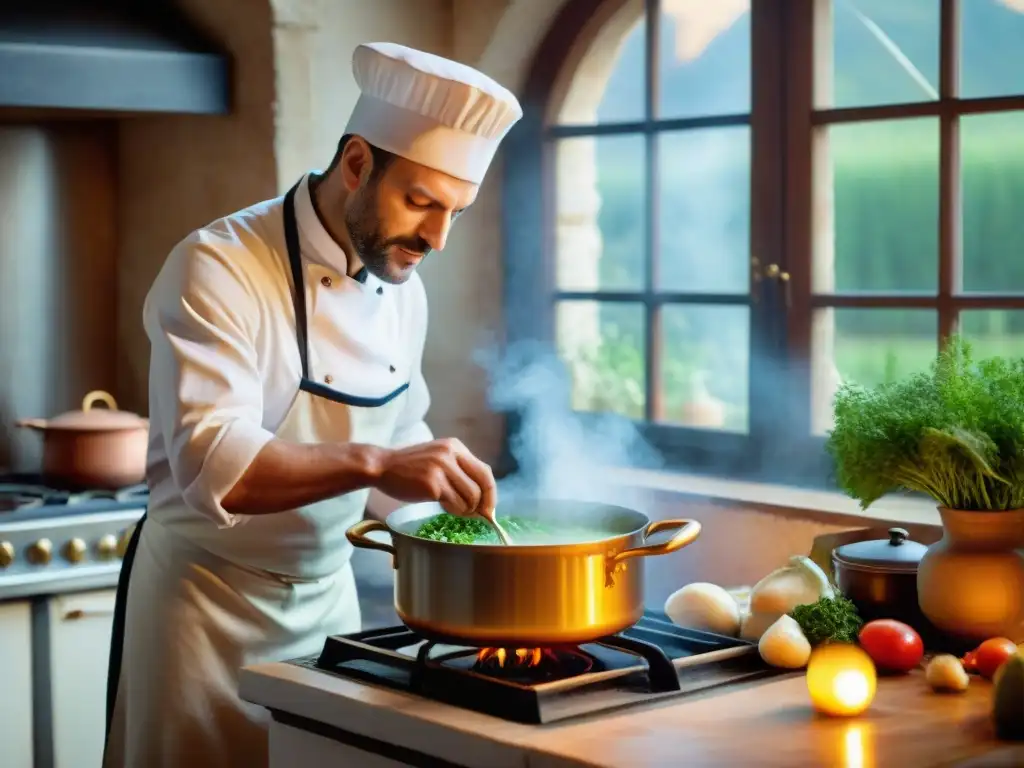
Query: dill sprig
pixel 954 433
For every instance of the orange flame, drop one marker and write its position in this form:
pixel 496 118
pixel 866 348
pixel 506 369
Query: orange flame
pixel 520 657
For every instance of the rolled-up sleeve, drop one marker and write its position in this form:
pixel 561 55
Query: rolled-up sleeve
pixel 206 395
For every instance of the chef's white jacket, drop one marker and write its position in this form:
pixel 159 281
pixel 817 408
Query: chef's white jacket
pixel 225 362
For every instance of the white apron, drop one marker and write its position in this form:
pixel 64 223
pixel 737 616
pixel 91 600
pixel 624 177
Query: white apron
pixel 192 611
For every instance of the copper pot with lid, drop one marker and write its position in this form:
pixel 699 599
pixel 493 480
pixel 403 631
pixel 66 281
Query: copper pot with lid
pixel 880 577
pixel 93 448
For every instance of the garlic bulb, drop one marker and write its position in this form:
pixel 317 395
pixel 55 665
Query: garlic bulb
pixel 801 582
pixel 704 606
pixel 945 673
pixel 783 645
pixel 753 625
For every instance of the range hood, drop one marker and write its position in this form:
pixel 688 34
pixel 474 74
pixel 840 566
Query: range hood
pixel 110 56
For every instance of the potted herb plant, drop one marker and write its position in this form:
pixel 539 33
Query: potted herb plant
pixel 955 434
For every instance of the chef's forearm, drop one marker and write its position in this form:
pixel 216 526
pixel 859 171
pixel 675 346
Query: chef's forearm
pixel 286 475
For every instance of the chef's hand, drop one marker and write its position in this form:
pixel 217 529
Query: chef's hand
pixel 443 471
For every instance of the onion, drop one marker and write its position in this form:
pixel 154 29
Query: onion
pixel 801 582
pixel 705 607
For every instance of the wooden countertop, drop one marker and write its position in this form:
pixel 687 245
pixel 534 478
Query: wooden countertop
pixel 772 724
pixel 768 723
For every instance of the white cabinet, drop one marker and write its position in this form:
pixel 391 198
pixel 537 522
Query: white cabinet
pixel 80 626
pixel 16 684
pixel 291 746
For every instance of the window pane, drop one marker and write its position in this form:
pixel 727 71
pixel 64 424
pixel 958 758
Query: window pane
pixel 704 199
pixel 609 83
pixel 994 332
pixel 599 229
pixel 705 366
pixel 867 346
pixel 992 175
pixel 704 66
pixel 885 211
pixel 991 48
pixel 883 52
pixel 603 345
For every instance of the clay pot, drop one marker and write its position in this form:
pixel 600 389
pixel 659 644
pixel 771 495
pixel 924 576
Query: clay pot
pixel 970 584
pixel 94 448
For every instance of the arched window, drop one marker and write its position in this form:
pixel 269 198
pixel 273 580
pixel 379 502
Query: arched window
pixel 717 211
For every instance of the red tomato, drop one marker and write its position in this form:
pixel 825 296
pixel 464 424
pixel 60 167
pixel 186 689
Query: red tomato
pixel 970 661
pixel 992 654
pixel 892 645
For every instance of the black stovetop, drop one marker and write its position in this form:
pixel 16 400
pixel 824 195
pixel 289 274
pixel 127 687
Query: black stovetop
pixel 650 661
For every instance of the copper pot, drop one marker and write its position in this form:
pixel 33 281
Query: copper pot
pixel 101 448
pixel 524 596
pixel 880 577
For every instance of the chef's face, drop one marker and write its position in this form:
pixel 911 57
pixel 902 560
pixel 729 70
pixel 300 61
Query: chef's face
pixel 396 217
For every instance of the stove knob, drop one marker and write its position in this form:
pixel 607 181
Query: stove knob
pixel 40 552
pixel 106 547
pixel 122 543
pixel 75 551
pixel 6 553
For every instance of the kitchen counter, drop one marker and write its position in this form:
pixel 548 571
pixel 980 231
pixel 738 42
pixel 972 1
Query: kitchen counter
pixel 323 719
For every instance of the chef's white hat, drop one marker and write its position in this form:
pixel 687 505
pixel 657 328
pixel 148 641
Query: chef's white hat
pixel 430 110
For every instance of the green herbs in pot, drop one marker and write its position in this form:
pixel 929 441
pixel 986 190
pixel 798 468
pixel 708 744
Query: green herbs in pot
pixel 954 433
pixel 830 619
pixel 473 530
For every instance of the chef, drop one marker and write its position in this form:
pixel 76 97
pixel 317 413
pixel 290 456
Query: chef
pixel 285 385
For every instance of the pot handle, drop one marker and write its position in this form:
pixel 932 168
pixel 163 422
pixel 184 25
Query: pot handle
pixel 99 396
pixel 689 530
pixel 357 536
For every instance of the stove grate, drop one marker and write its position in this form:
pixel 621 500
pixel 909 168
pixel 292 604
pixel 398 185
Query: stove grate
pixel 652 660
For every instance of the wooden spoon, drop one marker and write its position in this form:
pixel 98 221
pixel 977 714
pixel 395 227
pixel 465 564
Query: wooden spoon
pixel 489 516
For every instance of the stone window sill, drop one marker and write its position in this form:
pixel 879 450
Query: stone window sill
pixel 780 499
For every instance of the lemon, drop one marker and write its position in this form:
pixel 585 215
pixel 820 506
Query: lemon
pixel 1008 699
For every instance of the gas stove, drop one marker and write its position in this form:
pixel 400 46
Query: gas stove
pixel 651 661
pixel 54 540
pixel 19 493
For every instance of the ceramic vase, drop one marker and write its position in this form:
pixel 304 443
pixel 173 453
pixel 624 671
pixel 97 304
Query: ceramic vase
pixel 970 584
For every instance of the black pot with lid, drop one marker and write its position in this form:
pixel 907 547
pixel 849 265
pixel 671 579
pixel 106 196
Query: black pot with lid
pixel 880 577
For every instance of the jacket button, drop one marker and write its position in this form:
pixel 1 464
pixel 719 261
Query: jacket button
pixel 380 291
pixel 328 379
pixel 391 368
pixel 325 281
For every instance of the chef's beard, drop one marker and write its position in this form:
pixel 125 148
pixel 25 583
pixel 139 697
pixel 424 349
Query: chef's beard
pixel 372 247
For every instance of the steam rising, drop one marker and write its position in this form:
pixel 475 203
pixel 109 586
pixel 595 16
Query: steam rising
pixel 559 453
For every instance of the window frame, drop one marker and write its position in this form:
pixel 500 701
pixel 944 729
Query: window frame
pixel 789 45
pixel 808 27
